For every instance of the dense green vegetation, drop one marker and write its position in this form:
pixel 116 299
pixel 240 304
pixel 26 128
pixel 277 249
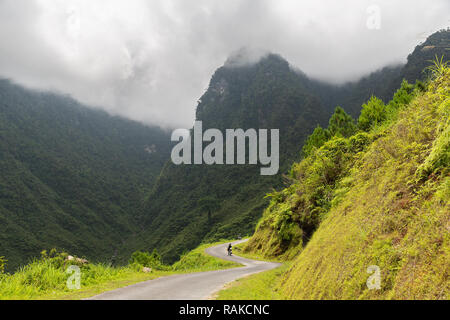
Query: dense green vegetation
pixel 380 197
pixel 71 177
pixel 269 94
pixel 102 187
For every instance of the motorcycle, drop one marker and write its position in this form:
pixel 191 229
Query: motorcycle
pixel 230 251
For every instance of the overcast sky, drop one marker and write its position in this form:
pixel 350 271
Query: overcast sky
pixel 151 60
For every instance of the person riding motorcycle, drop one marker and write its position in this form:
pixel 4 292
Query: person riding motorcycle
pixel 230 250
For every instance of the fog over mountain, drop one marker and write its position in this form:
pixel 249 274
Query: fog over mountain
pixel 151 60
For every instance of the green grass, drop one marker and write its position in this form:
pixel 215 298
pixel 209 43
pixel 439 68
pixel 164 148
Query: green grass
pixel 197 260
pixel 125 279
pixel 45 278
pixel 260 286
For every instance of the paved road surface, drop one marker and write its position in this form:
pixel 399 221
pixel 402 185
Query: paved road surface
pixel 192 286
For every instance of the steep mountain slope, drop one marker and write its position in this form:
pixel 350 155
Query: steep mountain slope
pixel 268 94
pixel 380 200
pixel 395 215
pixel 71 177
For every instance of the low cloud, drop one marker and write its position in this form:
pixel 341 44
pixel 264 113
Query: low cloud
pixel 152 60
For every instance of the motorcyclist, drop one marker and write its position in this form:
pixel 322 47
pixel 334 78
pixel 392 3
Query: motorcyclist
pixel 230 248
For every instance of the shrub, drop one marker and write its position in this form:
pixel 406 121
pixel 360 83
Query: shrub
pixel 438 68
pixel 150 260
pixel 359 142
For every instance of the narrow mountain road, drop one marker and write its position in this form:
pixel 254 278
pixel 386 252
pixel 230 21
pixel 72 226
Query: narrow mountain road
pixel 192 286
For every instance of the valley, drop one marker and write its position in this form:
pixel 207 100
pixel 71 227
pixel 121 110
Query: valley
pixel 359 177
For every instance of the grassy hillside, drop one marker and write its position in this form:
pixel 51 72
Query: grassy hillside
pixel 395 214
pixel 380 197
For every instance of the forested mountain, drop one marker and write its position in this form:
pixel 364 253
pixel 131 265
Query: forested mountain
pixel 95 185
pixel 268 94
pixel 71 177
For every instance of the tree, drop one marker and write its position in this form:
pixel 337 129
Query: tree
pixel 209 204
pixel 372 113
pixel 315 140
pixel 341 124
pixel 403 96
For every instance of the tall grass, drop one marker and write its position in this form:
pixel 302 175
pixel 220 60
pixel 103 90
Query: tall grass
pixel 46 277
